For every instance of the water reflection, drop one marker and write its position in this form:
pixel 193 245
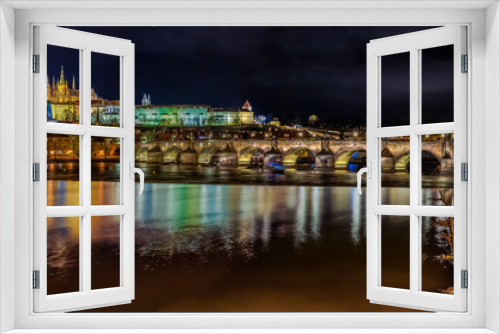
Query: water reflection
pixel 241 248
pixel 63 234
pixel 437 254
pixel 243 211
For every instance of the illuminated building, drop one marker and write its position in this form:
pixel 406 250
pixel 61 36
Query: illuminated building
pixel 63 101
pixel 171 115
pixel 63 107
pixel 275 122
pixel 191 115
pixel 230 116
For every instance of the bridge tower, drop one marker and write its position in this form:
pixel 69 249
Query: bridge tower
pixel 325 159
pixel 388 162
pixel 447 161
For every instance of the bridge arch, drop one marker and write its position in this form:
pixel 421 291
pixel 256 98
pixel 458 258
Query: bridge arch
pixel 142 154
pixel 431 165
pixel 172 155
pixel 249 154
pixel 155 155
pixel 299 157
pixel 208 156
pixel 355 157
pixel 115 152
pixel 402 163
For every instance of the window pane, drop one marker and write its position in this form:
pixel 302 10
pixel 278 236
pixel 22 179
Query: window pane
pixel 437 169
pixel 437 254
pixel 63 81
pixel 63 170
pixel 105 260
pixel 105 90
pixel 395 94
pixel 437 84
pixel 63 255
pixel 105 171
pixel 395 240
pixel 395 170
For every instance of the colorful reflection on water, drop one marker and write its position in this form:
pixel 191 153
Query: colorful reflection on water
pixel 239 248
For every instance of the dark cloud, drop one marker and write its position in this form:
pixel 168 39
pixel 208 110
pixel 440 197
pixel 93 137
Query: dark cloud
pixel 287 71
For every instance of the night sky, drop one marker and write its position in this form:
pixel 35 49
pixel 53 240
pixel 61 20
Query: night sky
pixel 290 72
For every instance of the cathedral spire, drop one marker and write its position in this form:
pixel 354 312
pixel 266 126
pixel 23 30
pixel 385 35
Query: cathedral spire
pixel 146 100
pixel 62 75
pixel 74 85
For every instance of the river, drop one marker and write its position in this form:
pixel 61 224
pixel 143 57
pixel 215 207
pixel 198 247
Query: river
pixel 242 248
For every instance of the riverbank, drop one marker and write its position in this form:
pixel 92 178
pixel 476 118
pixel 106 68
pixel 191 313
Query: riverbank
pixel 194 174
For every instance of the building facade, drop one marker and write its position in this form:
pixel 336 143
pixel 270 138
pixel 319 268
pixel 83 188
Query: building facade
pixel 63 101
pixel 63 107
pixel 191 115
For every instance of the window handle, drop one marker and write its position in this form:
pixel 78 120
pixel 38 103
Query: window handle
pixel 368 172
pixel 139 171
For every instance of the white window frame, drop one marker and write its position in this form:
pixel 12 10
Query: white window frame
pixel 414 44
pixel 482 19
pixel 85 44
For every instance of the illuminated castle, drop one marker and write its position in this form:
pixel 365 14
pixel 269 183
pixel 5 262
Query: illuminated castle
pixel 60 92
pixel 63 102
pixel 63 106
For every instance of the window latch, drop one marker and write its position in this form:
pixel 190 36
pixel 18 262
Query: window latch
pixel 368 171
pixel 132 171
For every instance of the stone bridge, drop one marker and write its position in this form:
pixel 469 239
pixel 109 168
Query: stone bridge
pixel 325 153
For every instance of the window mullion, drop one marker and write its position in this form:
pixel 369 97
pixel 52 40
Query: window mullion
pixel 85 112
pixel 106 131
pixel 66 211
pixel 414 169
pixel 85 246
pixel 85 162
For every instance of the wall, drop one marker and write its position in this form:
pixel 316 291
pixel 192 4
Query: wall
pixel 491 168
pixel 438 322
pixel 7 185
